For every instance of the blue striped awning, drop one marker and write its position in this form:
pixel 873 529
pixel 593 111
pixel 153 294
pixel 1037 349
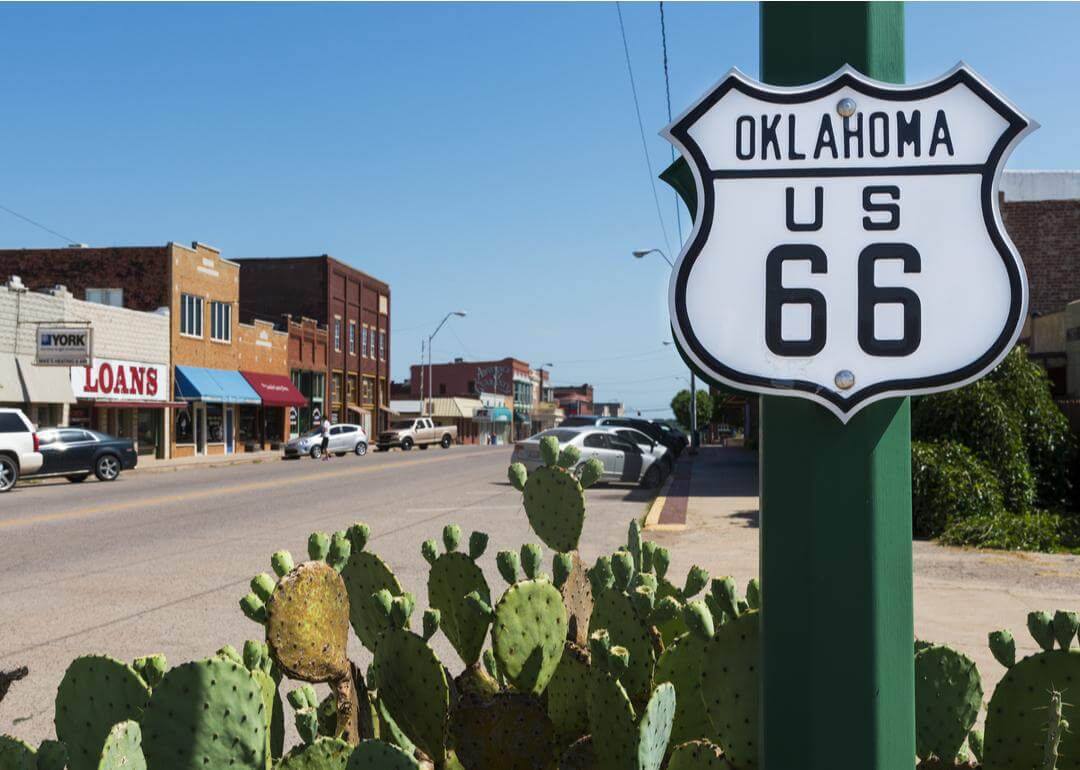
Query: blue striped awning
pixel 194 383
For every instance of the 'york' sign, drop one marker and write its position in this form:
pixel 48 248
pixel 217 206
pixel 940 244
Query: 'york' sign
pixel 109 379
pixel 848 244
pixel 64 346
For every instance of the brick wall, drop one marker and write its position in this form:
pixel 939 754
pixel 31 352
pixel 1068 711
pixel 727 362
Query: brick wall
pixel 202 271
pixel 262 348
pixel 1047 235
pixel 466 378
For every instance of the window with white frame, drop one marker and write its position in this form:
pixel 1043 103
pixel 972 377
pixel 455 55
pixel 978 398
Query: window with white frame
pixel 221 321
pixel 114 297
pixel 352 338
pixel 337 333
pixel 363 341
pixel 382 345
pixel 191 315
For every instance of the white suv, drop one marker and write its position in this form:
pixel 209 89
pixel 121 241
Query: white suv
pixel 18 447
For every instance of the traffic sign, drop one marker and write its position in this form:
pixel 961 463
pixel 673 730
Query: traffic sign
pixel 849 245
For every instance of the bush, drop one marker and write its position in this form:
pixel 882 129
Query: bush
pixel 979 418
pixel 949 483
pixel 1051 447
pixel 1035 531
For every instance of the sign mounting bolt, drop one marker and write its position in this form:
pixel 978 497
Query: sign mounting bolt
pixel 846 107
pixel 844 379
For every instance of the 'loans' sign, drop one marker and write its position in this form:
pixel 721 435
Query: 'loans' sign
pixel 63 346
pixel 848 244
pixel 107 379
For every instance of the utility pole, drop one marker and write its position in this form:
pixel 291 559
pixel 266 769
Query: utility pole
pixel 835 499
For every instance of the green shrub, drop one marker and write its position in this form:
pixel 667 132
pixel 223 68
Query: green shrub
pixel 949 483
pixel 1051 447
pixel 1035 531
pixel 979 418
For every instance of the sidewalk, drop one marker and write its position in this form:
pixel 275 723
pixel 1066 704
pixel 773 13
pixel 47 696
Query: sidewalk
pixel 960 595
pixel 151 464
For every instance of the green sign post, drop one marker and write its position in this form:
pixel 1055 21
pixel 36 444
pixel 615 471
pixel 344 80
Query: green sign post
pixel 838 680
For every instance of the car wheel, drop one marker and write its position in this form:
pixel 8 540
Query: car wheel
pixel 9 473
pixel 107 468
pixel 651 479
pixel 316 452
pixel 423 446
pixel 361 448
pixel 406 444
pixel 77 478
pixel 446 442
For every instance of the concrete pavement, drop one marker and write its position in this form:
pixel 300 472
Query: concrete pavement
pixel 960 595
pixel 157 562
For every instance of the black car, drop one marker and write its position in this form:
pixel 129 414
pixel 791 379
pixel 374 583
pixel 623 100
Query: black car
pixel 78 452
pixel 674 444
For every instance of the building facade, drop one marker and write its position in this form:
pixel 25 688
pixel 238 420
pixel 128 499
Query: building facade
pixel 574 399
pixel 508 378
pixel 354 308
pixel 307 368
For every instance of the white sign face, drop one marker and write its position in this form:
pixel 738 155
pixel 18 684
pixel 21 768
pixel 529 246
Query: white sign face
pixel 848 245
pixel 64 346
pixel 107 379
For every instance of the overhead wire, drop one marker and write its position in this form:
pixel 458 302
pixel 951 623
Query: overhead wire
pixel 667 92
pixel 14 213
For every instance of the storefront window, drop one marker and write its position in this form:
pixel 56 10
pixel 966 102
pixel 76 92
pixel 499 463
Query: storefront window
pixel 185 425
pixel 369 391
pixel 215 424
pixel 275 424
pixel 335 388
pixel 149 431
pixel 351 392
pixel 247 425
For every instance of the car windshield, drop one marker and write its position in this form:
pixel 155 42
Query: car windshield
pixel 312 432
pixel 401 424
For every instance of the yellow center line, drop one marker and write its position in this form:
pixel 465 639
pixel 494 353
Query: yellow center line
pixel 212 491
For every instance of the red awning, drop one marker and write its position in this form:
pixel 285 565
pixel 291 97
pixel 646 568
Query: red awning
pixel 275 389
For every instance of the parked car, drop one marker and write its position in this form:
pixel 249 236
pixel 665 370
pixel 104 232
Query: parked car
pixel 648 427
pixel 416 431
pixel 662 454
pixel 19 448
pixel 623 460
pixel 77 452
pixel 344 437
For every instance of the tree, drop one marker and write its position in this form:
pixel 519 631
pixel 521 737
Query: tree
pixel 680 405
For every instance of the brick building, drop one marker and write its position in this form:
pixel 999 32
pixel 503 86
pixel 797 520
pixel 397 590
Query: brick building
pixel 355 309
pixel 307 368
pixel 574 399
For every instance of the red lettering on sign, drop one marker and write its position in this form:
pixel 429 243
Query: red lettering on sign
pixel 121 380
pixel 105 378
pixel 89 385
pixel 137 373
pixel 151 382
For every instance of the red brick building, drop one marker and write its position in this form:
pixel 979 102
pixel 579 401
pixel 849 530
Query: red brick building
pixel 574 399
pixel 354 308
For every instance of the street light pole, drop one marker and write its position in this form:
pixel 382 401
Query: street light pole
pixel 460 313
pixel 693 378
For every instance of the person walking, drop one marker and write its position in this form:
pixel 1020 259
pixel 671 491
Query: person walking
pixel 325 439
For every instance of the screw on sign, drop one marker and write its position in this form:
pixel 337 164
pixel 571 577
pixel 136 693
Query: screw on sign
pixel 849 245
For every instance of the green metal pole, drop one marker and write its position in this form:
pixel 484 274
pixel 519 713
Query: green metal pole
pixel 836 625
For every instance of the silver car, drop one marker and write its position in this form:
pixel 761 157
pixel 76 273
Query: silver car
pixel 622 460
pixel 655 448
pixel 344 437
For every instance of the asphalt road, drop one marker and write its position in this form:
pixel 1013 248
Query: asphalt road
pixel 157 561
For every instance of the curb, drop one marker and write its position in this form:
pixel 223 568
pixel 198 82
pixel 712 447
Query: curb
pixel 656 507
pixel 210 464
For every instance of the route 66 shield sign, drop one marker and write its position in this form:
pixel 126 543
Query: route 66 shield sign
pixel 848 245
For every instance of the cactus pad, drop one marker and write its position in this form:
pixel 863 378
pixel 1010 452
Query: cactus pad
pixel 729 683
pixel 16 755
pixel 555 505
pixel 579 756
pixel 655 728
pixel 577 598
pixel 412 684
pixel 948 696
pixel 680 664
pixel 308 623
pixel 568 710
pixel 206 714
pixel 323 754
pixel 611 720
pixel 527 634
pixel 613 611
pixel 509 731
pixel 452 577
pixel 95 693
pixel 123 748
pixel 364 574
pixel 376 755
pixel 1016 715
pixel 697 755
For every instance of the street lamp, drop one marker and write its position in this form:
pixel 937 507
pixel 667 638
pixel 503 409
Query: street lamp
pixel 693 380
pixel 461 314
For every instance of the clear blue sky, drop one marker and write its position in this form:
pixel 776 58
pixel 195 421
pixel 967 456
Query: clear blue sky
pixel 482 157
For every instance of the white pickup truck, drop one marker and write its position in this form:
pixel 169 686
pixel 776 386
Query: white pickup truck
pixel 416 431
pixel 19 447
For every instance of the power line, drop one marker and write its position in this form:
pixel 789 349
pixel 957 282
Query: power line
pixel 641 129
pixel 667 91
pixel 65 238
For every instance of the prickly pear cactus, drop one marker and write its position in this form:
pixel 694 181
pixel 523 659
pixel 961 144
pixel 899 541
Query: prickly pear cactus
pixel 51 755
pixel 680 664
pixel 323 754
pixel 554 497
pixel 948 696
pixel 572 580
pixel 364 574
pixel 16 755
pixel 614 611
pixel 729 680
pixel 123 748
pixel 376 755
pixel 529 623
pixel 568 710
pixel 410 678
pixel 256 658
pixel 508 731
pixel 697 755
pixel 1016 716
pixel 453 576
pixel 96 692
pixel 207 713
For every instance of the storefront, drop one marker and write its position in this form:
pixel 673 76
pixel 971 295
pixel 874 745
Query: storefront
pixel 265 426
pixel 312 386
pixel 42 392
pixel 494 424
pixel 128 399
pixel 208 426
